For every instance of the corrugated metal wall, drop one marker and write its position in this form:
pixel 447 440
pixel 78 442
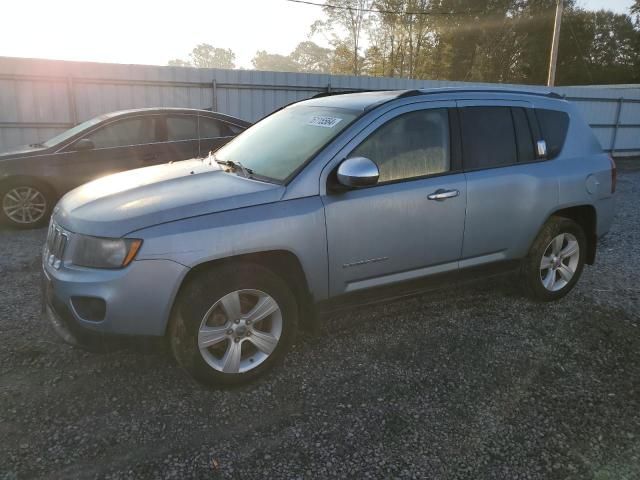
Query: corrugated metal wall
pixel 39 98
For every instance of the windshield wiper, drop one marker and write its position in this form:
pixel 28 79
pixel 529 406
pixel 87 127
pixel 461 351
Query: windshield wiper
pixel 36 145
pixel 236 166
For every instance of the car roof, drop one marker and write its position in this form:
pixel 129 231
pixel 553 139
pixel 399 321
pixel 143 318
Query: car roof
pixel 369 100
pixel 208 113
pixel 355 100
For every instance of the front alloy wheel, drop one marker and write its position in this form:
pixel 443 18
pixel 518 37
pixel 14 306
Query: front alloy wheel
pixel 240 331
pixel 232 323
pixel 24 206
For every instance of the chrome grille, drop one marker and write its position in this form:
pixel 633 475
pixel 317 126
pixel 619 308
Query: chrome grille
pixel 57 240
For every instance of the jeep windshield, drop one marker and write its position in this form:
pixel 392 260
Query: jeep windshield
pixel 278 146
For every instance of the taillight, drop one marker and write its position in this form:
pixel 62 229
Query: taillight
pixel 614 174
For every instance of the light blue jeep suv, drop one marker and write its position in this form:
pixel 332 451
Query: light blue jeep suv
pixel 327 202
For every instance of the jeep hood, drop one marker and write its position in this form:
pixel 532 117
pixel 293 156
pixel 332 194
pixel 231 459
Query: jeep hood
pixel 118 204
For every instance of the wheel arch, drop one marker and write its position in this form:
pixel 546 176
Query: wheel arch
pixel 586 217
pixel 15 179
pixel 283 263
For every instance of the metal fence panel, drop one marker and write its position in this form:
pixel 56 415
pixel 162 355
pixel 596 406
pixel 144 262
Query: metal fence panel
pixel 40 98
pixel 630 113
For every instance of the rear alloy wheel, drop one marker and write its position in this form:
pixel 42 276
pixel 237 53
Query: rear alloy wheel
pixel 559 262
pixel 25 206
pixel 555 261
pixel 232 323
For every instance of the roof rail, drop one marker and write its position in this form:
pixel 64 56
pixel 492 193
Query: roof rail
pixel 437 90
pixel 410 93
pixel 342 92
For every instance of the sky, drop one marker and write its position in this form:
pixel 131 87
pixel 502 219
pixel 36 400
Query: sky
pixel 155 31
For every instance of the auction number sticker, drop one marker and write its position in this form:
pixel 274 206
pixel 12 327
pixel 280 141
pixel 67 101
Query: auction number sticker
pixel 322 121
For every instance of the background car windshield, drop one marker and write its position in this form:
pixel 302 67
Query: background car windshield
pixel 281 143
pixel 61 137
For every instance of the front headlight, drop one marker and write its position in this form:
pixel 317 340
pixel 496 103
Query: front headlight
pixel 96 252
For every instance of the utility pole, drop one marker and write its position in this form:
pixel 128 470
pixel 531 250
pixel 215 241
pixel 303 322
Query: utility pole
pixel 551 79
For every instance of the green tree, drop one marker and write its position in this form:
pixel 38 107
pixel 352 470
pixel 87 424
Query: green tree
pixel 311 57
pixel 342 59
pixel 306 57
pixel 350 17
pixel 374 62
pixel 176 62
pixel 274 62
pixel 500 41
pixel 208 56
pixel 607 47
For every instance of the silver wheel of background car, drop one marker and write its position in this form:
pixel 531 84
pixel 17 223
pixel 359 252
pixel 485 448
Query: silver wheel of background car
pixel 24 205
pixel 240 331
pixel 559 262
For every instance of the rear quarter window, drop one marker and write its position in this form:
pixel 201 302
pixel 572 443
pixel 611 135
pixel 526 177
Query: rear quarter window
pixel 554 125
pixel 212 128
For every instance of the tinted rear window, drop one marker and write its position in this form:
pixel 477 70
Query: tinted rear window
pixel 488 138
pixel 553 125
pixel 183 127
pixel 211 128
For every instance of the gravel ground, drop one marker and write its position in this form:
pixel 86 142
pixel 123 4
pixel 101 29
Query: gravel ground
pixel 481 384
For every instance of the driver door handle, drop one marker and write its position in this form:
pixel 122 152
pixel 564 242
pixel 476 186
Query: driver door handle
pixel 442 194
pixel 148 157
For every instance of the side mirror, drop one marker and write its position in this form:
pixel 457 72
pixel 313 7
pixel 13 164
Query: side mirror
pixel 541 149
pixel 358 172
pixel 83 144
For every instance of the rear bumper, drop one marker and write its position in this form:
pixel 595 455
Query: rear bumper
pixel 604 213
pixel 138 299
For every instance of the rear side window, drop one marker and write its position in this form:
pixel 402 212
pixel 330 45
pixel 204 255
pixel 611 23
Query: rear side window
pixel 235 129
pixel 210 128
pixel 553 125
pixel 182 127
pixel 524 139
pixel 488 137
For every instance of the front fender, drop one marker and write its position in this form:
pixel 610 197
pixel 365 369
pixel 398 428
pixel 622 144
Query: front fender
pixel 296 226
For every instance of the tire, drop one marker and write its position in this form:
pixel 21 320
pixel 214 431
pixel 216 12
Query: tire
pixel 34 213
pixel 560 258
pixel 206 310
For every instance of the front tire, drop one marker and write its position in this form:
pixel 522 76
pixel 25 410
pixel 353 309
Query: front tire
pixel 555 261
pixel 25 203
pixel 232 324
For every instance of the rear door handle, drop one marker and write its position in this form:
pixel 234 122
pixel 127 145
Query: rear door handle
pixel 442 194
pixel 147 157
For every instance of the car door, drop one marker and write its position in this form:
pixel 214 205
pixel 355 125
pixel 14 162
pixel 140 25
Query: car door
pixel 122 144
pixel 510 191
pixel 214 133
pixel 181 136
pixel 411 223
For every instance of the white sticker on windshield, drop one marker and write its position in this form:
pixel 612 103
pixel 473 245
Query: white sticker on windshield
pixel 322 121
